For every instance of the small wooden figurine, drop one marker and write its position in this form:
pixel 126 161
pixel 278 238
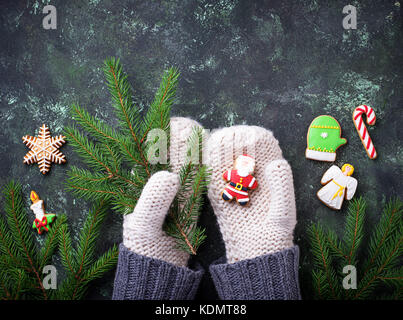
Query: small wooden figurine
pixel 42 220
pixel 240 180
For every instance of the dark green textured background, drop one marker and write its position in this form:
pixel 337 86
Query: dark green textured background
pixel 276 64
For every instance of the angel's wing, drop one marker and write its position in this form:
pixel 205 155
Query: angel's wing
pixel 330 174
pixel 351 187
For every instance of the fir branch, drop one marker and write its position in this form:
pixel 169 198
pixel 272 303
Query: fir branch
pixel 81 176
pixel 71 288
pixel 80 262
pixel 124 179
pixel 100 131
pixel 87 150
pixel 336 246
pixel 110 153
pixel 66 250
pixel 6 242
pixel 321 284
pixel 20 272
pixel 158 114
pixel 370 280
pixel 182 218
pixel 96 186
pixel 354 227
pixel 89 234
pixel 19 277
pixel 98 128
pixel 192 206
pixel 393 277
pixel 105 134
pixel 104 264
pixel 50 246
pixel 384 251
pixel 19 226
pixel 322 257
pixel 18 222
pixel 121 93
pixel 387 226
pixel 6 295
pixel 86 270
pixel 6 261
pixel 88 185
pixel 124 204
pixel 90 193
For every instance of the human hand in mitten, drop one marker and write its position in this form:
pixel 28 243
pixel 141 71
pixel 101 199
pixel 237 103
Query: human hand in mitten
pixel 266 224
pixel 150 266
pixel 142 229
pixel 262 262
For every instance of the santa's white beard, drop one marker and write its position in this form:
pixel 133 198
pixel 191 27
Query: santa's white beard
pixel 244 171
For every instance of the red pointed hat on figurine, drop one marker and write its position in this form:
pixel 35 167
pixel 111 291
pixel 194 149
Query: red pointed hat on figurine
pixel 240 180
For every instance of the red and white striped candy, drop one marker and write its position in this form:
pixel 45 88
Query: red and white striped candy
pixel 362 130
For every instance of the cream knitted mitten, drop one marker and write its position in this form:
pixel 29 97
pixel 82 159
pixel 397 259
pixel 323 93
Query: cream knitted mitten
pixel 266 224
pixel 142 229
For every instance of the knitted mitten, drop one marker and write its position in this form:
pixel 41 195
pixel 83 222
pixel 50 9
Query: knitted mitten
pixel 142 229
pixel 266 224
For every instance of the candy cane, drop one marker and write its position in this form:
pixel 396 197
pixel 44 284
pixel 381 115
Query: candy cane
pixel 362 130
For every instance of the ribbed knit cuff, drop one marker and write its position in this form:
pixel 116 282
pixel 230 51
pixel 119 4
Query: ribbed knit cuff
pixel 269 277
pixel 142 278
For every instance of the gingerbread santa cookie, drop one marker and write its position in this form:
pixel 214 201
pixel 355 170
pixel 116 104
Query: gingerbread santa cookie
pixel 240 180
pixel 338 185
pixel 324 138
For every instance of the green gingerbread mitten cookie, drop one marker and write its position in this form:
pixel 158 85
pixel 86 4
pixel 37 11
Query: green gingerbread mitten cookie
pixel 324 138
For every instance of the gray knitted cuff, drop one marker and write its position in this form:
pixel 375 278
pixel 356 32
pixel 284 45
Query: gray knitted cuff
pixel 269 277
pixel 142 278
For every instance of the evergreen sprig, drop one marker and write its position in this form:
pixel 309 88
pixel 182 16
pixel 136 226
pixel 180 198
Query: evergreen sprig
pixel 194 179
pixel 22 260
pixel 383 257
pixel 80 263
pixel 118 168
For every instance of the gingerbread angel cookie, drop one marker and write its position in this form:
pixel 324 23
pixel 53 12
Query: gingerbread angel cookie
pixel 338 185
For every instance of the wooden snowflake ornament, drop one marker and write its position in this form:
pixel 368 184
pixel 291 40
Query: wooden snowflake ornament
pixel 44 149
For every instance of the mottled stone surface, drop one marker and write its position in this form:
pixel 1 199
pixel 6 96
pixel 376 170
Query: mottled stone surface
pixel 276 64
